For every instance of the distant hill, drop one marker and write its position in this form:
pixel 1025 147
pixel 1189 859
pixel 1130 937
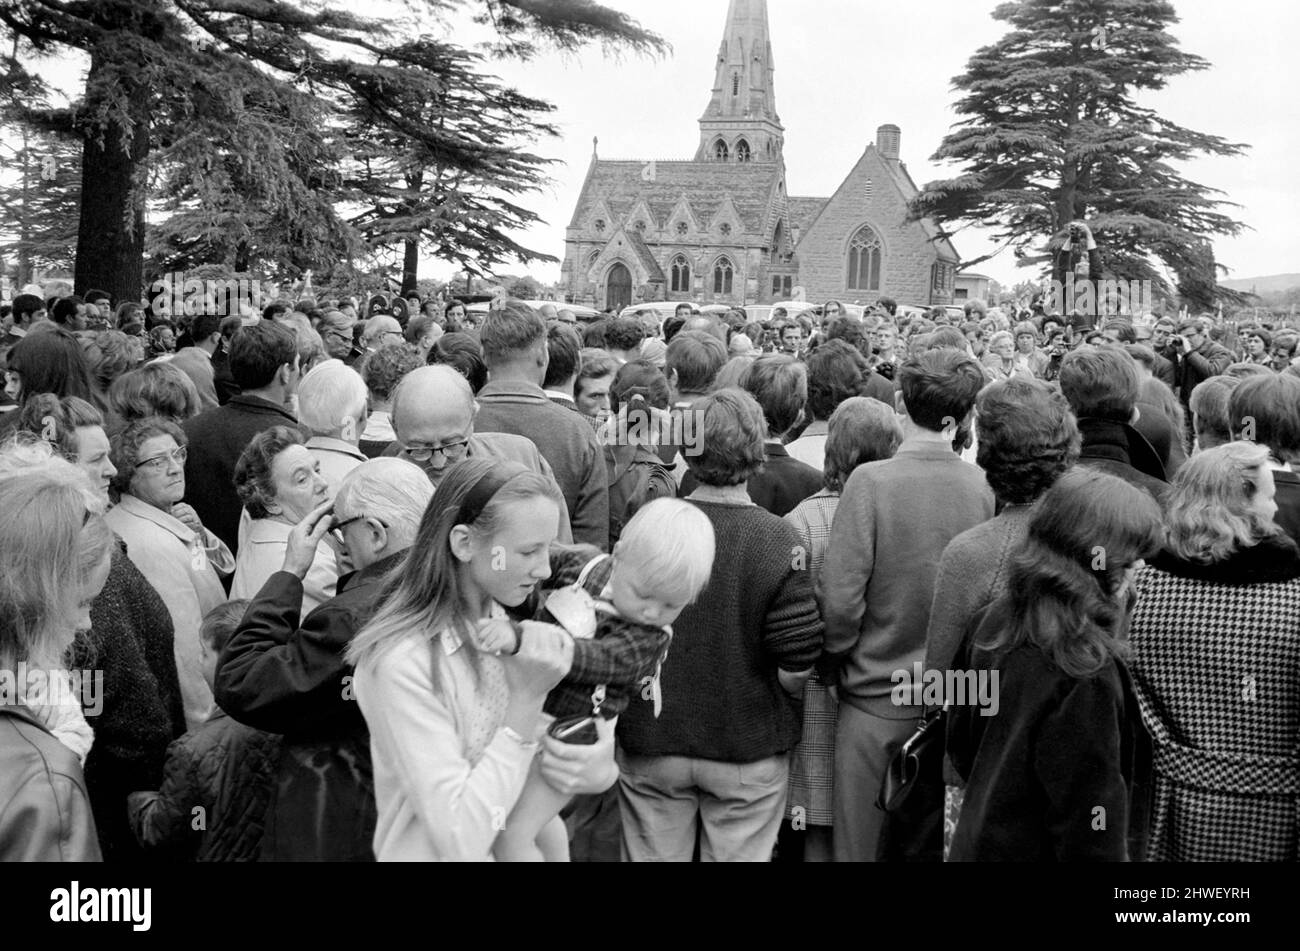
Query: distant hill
pixel 1268 284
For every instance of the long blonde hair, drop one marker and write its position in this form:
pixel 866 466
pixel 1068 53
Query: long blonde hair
pixel 52 538
pixel 1207 512
pixel 425 593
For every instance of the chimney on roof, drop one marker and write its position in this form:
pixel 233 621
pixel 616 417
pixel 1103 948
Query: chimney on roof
pixel 887 141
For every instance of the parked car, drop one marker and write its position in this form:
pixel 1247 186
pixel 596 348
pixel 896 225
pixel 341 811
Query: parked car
pixel 584 313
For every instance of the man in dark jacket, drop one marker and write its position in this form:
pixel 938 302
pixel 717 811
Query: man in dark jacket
pixel 1101 385
pixel 1266 410
pixel 264 364
pixel 1197 358
pixel 288 676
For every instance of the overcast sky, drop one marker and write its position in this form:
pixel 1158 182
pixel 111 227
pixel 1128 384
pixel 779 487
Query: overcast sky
pixel 844 67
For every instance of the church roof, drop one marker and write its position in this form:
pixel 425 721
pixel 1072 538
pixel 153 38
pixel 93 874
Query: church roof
pixel 803 211
pixel 908 187
pixel 647 259
pixel 706 185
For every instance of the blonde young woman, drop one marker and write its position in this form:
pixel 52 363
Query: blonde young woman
pixel 453 730
pixel 1216 658
pixel 55 552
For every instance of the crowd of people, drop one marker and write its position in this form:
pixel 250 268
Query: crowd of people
pixel 393 581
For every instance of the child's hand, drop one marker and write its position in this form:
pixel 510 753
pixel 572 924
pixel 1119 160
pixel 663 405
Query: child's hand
pixel 496 636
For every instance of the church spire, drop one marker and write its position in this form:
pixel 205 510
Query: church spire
pixel 740 123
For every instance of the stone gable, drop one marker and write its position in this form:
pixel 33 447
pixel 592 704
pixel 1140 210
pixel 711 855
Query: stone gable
pixel 874 193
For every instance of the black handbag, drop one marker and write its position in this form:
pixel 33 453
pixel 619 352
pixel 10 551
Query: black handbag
pixel 912 796
pixel 918 757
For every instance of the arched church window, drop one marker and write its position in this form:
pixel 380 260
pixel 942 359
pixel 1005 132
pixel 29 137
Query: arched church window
pixel 723 271
pixel 742 151
pixel 682 227
pixel 735 84
pixel 720 150
pixel 592 258
pixel 680 275
pixel 864 260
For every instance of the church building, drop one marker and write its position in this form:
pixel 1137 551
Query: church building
pixel 722 227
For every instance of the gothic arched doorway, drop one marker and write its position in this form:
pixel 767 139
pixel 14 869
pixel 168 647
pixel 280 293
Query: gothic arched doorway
pixel 618 287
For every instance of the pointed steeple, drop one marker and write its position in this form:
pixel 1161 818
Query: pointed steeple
pixel 740 123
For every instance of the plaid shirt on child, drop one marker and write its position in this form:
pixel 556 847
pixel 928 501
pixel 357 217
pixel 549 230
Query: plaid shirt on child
pixel 623 655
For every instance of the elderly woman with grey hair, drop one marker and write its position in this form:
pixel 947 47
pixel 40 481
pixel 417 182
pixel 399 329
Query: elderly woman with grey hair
pixel 169 544
pixel 860 430
pixel 1000 361
pixel 285 673
pixel 280 482
pixel 332 405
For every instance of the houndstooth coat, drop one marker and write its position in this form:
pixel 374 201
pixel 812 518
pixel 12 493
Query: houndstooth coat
pixel 1216 664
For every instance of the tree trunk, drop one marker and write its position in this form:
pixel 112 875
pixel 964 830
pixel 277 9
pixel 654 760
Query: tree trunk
pixel 410 267
pixel 110 236
pixel 411 251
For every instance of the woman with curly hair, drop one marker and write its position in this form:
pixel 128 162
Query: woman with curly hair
pixel 716 761
pixel 280 483
pixel 381 371
pixel 160 341
pixel 1053 776
pixel 1216 642
pixel 156 389
pixel 165 539
pixel 110 354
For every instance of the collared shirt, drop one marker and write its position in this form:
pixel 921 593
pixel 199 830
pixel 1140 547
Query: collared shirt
pixel 337 457
pixel 564 399
pixel 810 447
pixel 379 427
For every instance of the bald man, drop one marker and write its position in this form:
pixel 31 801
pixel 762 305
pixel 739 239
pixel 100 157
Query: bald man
pixel 433 419
pixel 380 331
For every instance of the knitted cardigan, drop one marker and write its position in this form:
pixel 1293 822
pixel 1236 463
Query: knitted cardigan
pixel 130 641
pixel 1216 661
pixel 721 697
